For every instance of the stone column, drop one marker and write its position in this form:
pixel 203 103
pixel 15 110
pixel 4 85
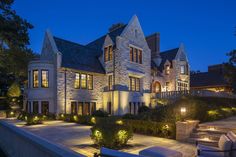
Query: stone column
pixel 184 129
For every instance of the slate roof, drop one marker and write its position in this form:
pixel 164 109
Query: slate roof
pixel 78 57
pixel 207 79
pixel 166 55
pixel 98 43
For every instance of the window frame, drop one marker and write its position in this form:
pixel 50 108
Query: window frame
pixel 33 81
pixel 35 103
pixel 91 76
pixel 133 87
pixel 81 81
pixel 77 81
pixel 167 70
pixel 108 53
pixel 136 54
pixel 182 72
pixel 46 70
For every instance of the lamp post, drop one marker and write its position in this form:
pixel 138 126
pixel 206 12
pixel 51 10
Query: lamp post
pixel 183 112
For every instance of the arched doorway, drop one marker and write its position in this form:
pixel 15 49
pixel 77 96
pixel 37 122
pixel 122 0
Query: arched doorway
pixel 156 87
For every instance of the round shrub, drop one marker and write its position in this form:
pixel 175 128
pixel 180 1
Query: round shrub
pixel 143 109
pixel 100 113
pixel 111 134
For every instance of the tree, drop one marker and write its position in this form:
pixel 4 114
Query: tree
pixel 14 38
pixel 230 70
pixel 14 90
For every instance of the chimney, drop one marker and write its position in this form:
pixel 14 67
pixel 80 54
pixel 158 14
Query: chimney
pixel 153 42
pixel 115 26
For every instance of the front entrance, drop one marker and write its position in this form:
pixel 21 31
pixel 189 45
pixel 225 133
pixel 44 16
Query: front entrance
pixel 156 87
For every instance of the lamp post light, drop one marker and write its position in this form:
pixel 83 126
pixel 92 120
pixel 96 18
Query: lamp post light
pixel 183 112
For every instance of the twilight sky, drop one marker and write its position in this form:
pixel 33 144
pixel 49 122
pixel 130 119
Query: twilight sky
pixel 206 27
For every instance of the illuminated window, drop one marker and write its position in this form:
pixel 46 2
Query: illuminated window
pixel 167 69
pixel 35 107
pixel 108 53
pixel 73 108
pixel 167 86
pixel 83 81
pixel 182 85
pixel 86 108
pixel 44 78
pixel 110 82
pixel 80 108
pixel 93 107
pixel 90 81
pixel 134 84
pixel 77 80
pixel 35 78
pixel 135 55
pixel 182 69
pixel 131 54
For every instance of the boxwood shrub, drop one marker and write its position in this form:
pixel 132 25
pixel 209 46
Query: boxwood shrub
pixel 110 134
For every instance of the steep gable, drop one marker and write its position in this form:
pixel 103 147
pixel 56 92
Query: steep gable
pixel 168 55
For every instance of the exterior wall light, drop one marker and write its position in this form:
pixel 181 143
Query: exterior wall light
pixel 183 111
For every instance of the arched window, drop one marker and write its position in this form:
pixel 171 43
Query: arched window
pixel 156 87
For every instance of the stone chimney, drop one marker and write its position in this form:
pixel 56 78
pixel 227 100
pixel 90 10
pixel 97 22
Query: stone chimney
pixel 115 26
pixel 153 42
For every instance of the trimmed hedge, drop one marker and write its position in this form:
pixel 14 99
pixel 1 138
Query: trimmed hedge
pixel 159 129
pixel 204 109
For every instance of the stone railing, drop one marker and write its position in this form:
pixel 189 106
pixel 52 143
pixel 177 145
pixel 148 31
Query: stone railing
pixel 17 142
pixel 200 93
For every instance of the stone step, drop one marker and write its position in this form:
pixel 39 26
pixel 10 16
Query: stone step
pixel 203 141
pixel 215 128
pixel 210 131
pixel 201 135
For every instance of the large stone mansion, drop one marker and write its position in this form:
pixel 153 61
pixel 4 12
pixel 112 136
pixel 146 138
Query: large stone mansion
pixel 117 73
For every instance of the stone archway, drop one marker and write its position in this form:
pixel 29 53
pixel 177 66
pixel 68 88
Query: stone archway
pixel 156 87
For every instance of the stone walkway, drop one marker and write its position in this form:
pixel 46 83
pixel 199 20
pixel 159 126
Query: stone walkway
pixel 77 138
pixel 228 123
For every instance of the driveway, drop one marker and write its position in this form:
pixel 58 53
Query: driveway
pixel 77 138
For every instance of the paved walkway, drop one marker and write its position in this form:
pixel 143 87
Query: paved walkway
pixel 77 138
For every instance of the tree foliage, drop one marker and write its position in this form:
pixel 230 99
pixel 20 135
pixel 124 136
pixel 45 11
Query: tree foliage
pixel 230 73
pixel 14 90
pixel 14 38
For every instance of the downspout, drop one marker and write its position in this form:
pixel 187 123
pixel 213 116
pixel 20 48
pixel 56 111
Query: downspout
pixel 65 90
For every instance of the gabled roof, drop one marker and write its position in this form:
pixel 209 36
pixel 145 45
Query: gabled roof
pixel 207 79
pixel 98 43
pixel 168 55
pixel 78 57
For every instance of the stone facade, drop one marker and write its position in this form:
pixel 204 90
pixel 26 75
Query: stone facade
pixel 118 100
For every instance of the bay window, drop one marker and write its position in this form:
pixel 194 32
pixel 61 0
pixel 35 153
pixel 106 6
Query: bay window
pixel 44 78
pixel 35 78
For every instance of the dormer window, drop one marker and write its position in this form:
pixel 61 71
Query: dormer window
pixel 135 55
pixel 167 69
pixel 108 53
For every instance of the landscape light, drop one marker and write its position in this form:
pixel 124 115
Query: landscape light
pixel 11 113
pixel 120 122
pixel 93 120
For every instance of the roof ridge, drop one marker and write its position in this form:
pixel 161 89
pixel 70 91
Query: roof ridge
pixel 85 46
pixel 169 50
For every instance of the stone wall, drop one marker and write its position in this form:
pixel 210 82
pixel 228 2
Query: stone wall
pixel 67 93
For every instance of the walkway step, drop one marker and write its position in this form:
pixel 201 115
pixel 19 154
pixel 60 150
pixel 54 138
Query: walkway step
pixel 203 141
pixel 201 135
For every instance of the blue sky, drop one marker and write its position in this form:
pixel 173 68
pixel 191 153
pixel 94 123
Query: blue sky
pixel 206 27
